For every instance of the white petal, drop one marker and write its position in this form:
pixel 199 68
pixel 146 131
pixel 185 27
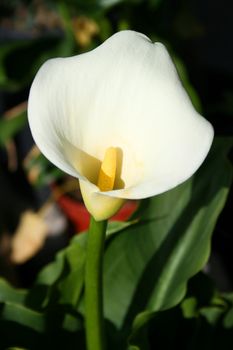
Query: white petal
pixel 125 94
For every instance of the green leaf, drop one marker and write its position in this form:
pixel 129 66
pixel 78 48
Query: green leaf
pixel 189 307
pixel 186 82
pixel 228 319
pixel 54 329
pixel 189 325
pixel 6 49
pixel 229 297
pixel 53 271
pixel 9 127
pixel 10 294
pixel 23 326
pixel 212 314
pixel 147 266
pixel 65 276
pixel 14 348
pixel 118 226
pixel 23 315
pixel 170 330
pixel 109 3
pixel 70 287
pixel 61 280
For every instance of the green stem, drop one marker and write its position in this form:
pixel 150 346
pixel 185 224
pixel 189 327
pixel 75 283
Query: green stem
pixel 94 286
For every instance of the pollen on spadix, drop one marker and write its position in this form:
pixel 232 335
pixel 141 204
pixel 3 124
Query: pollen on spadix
pixel 107 171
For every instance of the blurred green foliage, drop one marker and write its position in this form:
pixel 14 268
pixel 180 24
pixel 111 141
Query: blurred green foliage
pixel 9 127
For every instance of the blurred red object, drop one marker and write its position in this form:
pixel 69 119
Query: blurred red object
pixel 79 216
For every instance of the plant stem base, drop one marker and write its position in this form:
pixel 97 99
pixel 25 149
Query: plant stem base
pixel 94 317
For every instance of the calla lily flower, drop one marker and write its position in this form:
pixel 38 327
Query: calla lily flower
pixel 126 96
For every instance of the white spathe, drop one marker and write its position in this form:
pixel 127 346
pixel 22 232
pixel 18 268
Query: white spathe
pixel 126 94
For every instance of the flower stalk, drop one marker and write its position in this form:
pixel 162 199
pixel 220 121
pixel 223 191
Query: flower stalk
pixel 94 313
pixel 94 316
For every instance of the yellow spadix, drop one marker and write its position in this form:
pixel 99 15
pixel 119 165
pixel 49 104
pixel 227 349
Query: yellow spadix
pixel 108 170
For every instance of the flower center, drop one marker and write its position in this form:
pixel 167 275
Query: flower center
pixel 108 169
